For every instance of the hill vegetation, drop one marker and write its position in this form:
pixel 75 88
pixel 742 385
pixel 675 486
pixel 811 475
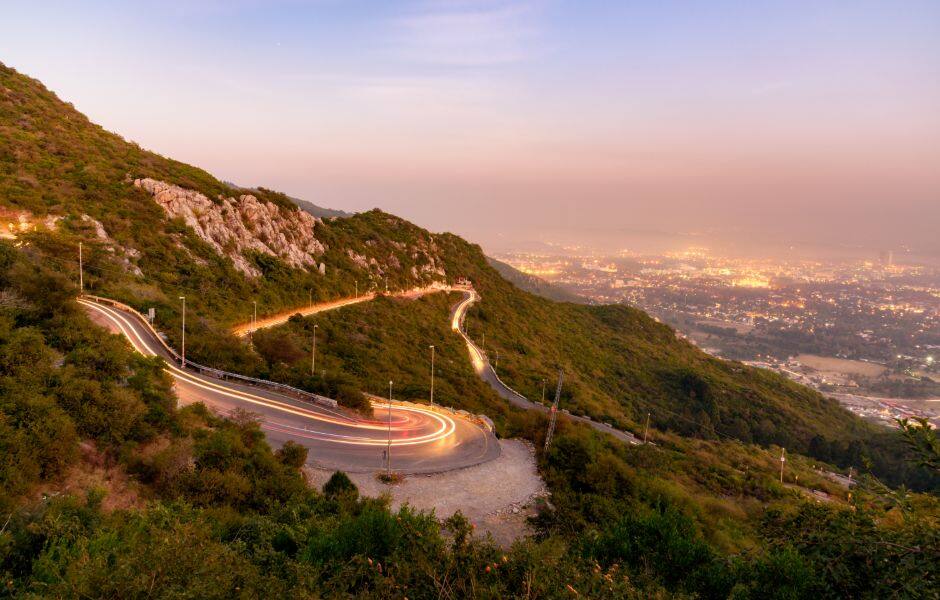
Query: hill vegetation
pixel 532 284
pixel 209 510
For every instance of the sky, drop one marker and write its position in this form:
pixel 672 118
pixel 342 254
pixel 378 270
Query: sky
pixel 509 122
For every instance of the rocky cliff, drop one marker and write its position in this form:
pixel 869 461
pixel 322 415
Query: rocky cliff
pixel 236 226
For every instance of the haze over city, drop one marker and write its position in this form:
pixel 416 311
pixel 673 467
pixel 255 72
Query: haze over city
pixel 807 123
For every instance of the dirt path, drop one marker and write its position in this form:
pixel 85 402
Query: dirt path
pixel 497 496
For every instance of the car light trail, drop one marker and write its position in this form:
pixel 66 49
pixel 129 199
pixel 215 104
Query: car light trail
pixel 413 420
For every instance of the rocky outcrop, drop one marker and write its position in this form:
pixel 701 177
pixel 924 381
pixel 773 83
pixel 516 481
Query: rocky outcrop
pixel 236 226
pixel 123 253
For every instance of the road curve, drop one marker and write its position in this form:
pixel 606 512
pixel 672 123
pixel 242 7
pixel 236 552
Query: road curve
pixel 244 329
pixel 485 370
pixel 422 441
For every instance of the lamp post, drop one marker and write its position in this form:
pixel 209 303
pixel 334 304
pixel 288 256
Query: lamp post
pixel 254 317
pixel 496 367
pixel 357 289
pixel 313 356
pixel 81 271
pixel 432 375
pixel 388 452
pixel 183 343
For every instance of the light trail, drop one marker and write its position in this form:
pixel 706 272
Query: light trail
pixel 445 425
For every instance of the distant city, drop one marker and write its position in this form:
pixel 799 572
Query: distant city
pixel 866 332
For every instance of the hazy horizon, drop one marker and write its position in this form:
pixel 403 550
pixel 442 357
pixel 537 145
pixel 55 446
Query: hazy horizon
pixel 811 124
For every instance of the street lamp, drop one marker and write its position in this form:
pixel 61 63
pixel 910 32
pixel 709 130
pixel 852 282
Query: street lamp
pixel 183 344
pixel 496 367
pixel 313 358
pixel 388 452
pixel 432 374
pixel 254 317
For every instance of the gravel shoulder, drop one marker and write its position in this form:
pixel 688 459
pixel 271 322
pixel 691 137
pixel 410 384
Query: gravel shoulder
pixel 496 496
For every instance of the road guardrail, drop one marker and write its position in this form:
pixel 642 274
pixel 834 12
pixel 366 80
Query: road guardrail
pixel 281 388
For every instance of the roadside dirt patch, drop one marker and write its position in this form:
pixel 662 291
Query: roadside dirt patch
pixel 496 496
pixel 92 472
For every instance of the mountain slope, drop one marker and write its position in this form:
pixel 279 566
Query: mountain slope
pixel 106 488
pixel 533 284
pixel 319 211
pixel 619 364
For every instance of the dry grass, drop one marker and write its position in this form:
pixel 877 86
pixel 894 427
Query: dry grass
pixel 94 472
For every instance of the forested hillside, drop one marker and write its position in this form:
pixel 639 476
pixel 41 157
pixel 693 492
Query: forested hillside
pixel 107 489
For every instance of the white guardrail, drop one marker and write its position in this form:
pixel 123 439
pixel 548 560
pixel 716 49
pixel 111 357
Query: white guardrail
pixel 218 373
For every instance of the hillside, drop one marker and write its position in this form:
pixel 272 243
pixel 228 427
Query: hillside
pixel 532 284
pixel 319 211
pixel 106 488
pixel 155 229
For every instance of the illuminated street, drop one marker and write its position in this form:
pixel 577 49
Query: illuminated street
pixel 422 440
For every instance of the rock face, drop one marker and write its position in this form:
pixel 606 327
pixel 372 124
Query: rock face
pixel 234 226
pixel 124 254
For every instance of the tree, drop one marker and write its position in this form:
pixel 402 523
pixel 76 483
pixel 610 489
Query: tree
pixel 922 441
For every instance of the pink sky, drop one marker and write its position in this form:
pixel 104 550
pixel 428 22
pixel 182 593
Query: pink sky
pixel 806 122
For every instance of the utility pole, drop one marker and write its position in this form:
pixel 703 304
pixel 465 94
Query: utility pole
pixel 432 375
pixel 388 452
pixel 554 412
pixel 313 356
pixel 81 271
pixel 183 343
pixel 646 431
pixel 783 461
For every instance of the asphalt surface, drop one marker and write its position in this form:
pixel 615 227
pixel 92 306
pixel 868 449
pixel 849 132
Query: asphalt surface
pixel 485 370
pixel 422 441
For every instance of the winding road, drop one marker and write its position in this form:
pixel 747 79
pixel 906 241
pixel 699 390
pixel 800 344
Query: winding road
pixel 422 440
pixel 478 357
pixel 485 370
